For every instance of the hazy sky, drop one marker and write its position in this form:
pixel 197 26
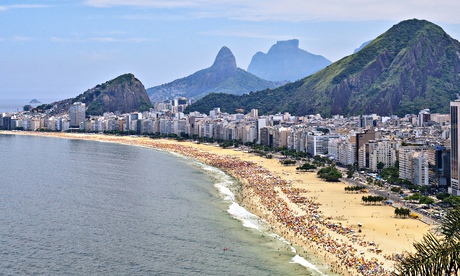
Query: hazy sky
pixel 59 48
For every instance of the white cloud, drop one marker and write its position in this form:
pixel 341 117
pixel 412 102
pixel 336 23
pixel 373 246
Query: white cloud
pixel 304 10
pixel 19 38
pixel 100 39
pixel 248 34
pixel 103 39
pixel 143 3
pixel 22 6
pixel 60 40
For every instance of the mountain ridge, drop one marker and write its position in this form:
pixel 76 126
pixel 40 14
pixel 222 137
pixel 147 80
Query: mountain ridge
pixel 412 66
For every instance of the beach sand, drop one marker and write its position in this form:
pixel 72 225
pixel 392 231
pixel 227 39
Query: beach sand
pixel 317 216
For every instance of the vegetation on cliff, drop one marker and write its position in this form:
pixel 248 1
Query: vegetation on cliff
pixel 124 94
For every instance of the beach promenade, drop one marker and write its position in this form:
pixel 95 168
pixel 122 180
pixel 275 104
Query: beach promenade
pixel 317 216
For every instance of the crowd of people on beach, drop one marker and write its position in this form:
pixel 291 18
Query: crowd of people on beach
pixel 310 226
pixel 336 243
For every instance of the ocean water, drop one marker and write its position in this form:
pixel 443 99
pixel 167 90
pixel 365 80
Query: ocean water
pixel 16 105
pixel 71 207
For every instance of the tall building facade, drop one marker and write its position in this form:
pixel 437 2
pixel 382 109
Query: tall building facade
pixel 406 161
pixel 420 166
pixel 77 115
pixel 442 158
pixel 377 151
pixel 454 148
pixel 361 140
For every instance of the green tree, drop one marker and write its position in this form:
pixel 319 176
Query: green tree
pixel 330 174
pixel 426 200
pixel 442 196
pixel 402 212
pixel 306 167
pixel 350 173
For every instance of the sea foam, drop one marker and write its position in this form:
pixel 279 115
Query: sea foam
pixel 300 260
pixel 223 184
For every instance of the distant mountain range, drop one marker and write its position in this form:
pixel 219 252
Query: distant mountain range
pixel 362 46
pixel 412 66
pixel 124 94
pixel 223 76
pixel 285 61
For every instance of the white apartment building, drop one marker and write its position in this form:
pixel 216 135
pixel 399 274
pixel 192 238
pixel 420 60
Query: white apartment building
pixel 342 150
pixel 420 166
pixel 406 161
pixel 381 151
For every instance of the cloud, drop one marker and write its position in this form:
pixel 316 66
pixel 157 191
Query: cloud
pixel 103 39
pixel 303 10
pixel 19 38
pixel 123 40
pixel 248 34
pixel 22 6
pixel 59 40
pixel 100 39
pixel 143 3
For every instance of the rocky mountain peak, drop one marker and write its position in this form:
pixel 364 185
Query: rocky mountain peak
pixel 125 93
pixel 287 44
pixel 225 61
pixel 222 77
pixel 285 61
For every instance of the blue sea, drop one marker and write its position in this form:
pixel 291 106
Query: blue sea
pixel 16 105
pixel 72 207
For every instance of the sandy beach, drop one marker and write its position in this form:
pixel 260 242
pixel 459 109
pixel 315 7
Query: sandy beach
pixel 312 214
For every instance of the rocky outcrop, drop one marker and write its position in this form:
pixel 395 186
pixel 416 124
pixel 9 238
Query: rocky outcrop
pixel 123 94
pixel 285 61
pixel 223 76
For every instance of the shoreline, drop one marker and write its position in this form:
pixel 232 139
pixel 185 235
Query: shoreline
pixel 305 210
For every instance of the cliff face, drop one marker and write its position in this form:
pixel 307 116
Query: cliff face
pixel 223 76
pixel 286 62
pixel 124 94
pixel 412 66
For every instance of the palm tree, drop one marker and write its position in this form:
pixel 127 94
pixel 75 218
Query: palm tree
pixel 436 256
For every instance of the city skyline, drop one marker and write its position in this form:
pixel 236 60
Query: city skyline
pixel 59 49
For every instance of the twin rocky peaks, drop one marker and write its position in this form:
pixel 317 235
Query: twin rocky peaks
pixel 223 76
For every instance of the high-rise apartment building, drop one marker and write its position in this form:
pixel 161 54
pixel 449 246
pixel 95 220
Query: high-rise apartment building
pixel 442 168
pixel 454 148
pixel 420 166
pixel 77 115
pixel 406 160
